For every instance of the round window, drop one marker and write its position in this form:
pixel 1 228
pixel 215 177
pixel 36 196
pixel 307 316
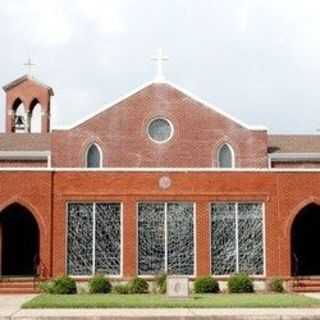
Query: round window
pixel 160 130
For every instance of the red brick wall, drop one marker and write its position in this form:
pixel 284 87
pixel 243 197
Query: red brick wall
pixel 121 133
pixel 33 191
pixel 284 194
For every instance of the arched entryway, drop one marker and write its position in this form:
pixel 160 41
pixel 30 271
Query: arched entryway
pixel 19 241
pixel 305 239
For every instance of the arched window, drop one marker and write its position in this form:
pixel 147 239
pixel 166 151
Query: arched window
pixel 94 157
pixel 35 117
pixel 225 156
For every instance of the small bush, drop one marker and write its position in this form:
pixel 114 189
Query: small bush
pixel 276 285
pixel 161 282
pixel 61 285
pixel 47 287
pixel 206 285
pixel 138 285
pixel 99 284
pixel 240 283
pixel 121 289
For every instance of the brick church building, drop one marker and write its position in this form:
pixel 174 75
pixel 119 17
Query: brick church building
pixel 158 181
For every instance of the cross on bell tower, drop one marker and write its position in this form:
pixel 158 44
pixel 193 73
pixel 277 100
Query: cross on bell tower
pixel 29 65
pixel 159 59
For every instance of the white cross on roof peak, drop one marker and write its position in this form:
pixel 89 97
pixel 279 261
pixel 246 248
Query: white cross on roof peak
pixel 159 58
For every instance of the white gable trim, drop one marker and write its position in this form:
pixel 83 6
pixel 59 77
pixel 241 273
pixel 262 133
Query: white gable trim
pixel 105 107
pixel 210 106
pixel 184 91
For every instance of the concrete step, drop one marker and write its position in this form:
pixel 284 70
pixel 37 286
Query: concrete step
pixel 307 283
pixel 18 290
pixel 16 278
pixel 18 284
pixel 306 289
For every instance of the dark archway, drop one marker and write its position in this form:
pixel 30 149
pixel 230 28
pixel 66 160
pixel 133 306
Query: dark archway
pixel 305 238
pixel 19 235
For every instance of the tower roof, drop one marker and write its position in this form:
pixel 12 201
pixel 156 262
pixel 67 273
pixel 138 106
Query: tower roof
pixel 26 77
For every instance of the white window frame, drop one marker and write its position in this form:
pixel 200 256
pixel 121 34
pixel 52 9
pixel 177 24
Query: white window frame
pixel 100 153
pixel 194 205
pixel 263 275
pixel 94 203
pixel 232 156
pixel 171 127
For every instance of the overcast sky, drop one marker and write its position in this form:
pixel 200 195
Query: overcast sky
pixel 258 60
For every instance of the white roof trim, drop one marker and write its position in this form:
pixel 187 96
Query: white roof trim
pixel 159 170
pixel 184 91
pixel 218 110
pixel 308 156
pixel 105 107
pixel 25 155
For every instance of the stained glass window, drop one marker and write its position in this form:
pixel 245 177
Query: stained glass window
pixel 223 238
pixel 250 238
pixel 80 233
pixel 108 235
pixel 237 238
pixel 94 238
pixel 151 238
pixel 166 238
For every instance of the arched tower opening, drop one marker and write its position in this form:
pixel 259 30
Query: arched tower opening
pixel 36 98
pixel 35 116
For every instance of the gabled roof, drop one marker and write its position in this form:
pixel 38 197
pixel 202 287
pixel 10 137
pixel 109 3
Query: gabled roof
pixel 26 77
pixel 183 91
pixel 25 141
pixel 293 143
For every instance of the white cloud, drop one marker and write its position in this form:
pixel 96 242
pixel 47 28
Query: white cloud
pixel 105 15
pixel 39 22
pixel 50 23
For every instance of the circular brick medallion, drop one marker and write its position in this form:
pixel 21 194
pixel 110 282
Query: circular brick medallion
pixel 164 182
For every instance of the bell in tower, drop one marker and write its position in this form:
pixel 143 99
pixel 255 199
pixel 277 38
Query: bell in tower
pixel 19 123
pixel 25 97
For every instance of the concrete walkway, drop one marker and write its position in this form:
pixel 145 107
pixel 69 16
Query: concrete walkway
pixel 168 314
pixel 11 303
pixel 10 309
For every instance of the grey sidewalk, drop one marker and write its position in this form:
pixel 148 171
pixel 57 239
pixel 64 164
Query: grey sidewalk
pixel 10 304
pixel 172 314
pixel 10 309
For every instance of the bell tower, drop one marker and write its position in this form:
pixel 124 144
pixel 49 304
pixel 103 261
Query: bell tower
pixel 24 96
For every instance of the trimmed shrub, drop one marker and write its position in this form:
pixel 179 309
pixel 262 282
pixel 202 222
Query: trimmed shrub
pixel 161 282
pixel 206 285
pixel 121 289
pixel 138 285
pixel 276 285
pixel 61 285
pixel 99 284
pixel 47 287
pixel 240 283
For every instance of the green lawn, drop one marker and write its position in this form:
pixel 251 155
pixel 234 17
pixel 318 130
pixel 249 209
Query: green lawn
pixel 266 300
